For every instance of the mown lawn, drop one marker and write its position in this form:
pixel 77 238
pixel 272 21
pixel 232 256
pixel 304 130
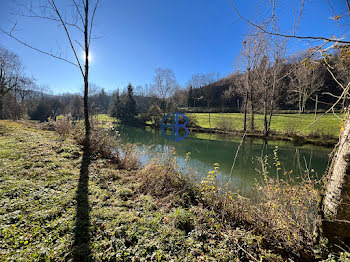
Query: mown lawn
pixel 39 177
pixel 328 125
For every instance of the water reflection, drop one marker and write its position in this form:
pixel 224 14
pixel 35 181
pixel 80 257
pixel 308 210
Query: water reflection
pixel 206 150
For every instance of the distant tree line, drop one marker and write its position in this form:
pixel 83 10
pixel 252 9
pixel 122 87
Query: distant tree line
pixel 267 81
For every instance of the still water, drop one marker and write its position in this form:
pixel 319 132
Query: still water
pixel 206 149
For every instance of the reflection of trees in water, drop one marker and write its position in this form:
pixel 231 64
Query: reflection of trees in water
pixel 205 152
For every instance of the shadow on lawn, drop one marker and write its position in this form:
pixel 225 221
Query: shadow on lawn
pixel 81 246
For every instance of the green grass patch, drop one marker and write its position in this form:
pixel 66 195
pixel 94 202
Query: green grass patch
pixel 327 125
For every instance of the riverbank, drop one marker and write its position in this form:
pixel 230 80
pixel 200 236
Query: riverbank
pixel 152 213
pixel 289 127
pixel 297 128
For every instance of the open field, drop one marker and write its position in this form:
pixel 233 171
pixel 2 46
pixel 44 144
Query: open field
pixel 328 125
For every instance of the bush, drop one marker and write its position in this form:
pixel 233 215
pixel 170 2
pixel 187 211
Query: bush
pixel 130 158
pixel 101 141
pixel 165 182
pixel 63 126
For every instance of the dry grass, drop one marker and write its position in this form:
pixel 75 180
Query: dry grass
pixel 63 126
pixel 284 213
pixel 130 158
pixel 164 181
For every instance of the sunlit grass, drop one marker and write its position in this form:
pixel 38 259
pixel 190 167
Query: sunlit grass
pixel 105 117
pixel 328 125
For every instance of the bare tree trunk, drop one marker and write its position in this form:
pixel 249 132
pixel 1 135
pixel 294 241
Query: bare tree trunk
pixel 271 105
pixel 303 103
pixel 265 112
pixel 316 106
pixel 209 118
pixel 252 114
pixel 336 201
pixel 86 78
pixel 245 112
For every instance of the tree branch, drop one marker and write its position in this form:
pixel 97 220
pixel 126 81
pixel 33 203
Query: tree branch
pixel 78 10
pixel 37 49
pixel 52 2
pixel 92 20
pixel 289 36
pixel 53 19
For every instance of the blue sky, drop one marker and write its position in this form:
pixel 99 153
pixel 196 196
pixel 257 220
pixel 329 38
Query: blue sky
pixel 136 36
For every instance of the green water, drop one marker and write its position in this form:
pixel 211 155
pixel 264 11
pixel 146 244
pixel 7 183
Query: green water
pixel 209 149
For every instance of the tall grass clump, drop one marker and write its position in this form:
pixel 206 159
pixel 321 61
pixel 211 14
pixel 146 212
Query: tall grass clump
pixel 284 209
pixel 62 126
pixel 162 179
pixel 287 206
pixel 130 157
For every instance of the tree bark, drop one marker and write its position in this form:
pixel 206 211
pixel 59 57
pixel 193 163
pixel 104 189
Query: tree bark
pixel 271 105
pixel 252 127
pixel 86 78
pixel 336 200
pixel 265 113
pixel 245 112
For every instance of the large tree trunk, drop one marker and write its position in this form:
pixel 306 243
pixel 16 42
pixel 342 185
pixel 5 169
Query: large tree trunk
pixel 336 201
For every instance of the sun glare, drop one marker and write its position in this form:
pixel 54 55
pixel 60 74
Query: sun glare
pixel 90 56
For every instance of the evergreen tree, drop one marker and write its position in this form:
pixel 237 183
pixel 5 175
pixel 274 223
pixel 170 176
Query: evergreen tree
pixel 102 102
pixel 115 105
pixel 130 102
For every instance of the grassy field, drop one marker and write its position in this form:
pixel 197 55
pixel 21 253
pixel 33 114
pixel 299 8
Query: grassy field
pixel 39 195
pixel 328 125
pixel 151 213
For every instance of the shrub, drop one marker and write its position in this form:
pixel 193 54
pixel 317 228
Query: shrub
pixel 130 158
pixel 63 126
pixel 101 141
pixel 165 182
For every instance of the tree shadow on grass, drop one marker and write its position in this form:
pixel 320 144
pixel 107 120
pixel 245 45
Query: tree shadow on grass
pixel 81 246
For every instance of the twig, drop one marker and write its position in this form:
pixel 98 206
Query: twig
pixel 289 36
pixel 37 49
pixel 53 4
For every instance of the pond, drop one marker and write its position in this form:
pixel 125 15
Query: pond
pixel 207 149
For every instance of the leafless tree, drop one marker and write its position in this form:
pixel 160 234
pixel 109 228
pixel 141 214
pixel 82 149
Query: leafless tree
pixel 205 82
pixel 82 21
pixel 164 84
pixel 252 55
pixel 335 200
pixel 25 88
pixel 272 88
pixel 306 80
pixel 10 74
pixel 76 106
